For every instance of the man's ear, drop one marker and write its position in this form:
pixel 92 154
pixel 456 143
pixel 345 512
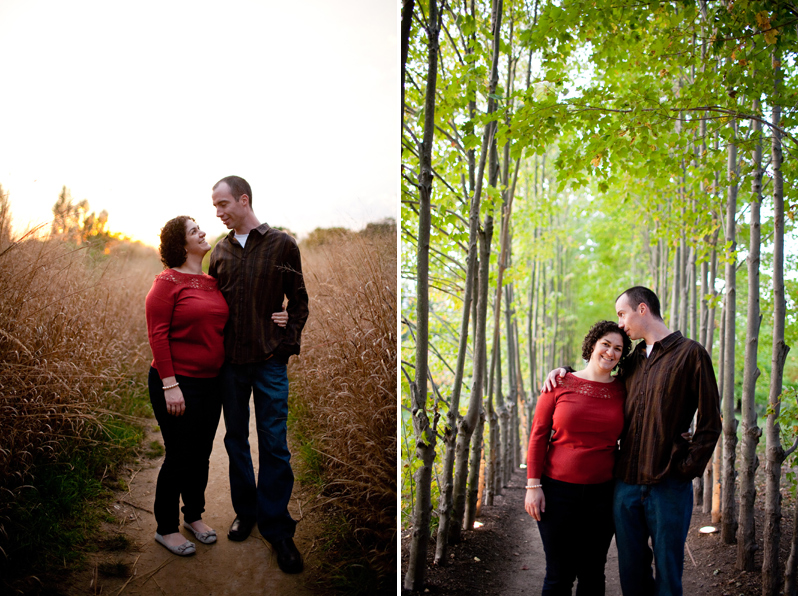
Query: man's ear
pixel 244 199
pixel 642 308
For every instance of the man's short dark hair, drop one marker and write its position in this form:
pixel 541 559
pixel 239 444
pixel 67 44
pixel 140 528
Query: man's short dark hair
pixel 599 330
pixel 238 186
pixel 641 295
pixel 173 242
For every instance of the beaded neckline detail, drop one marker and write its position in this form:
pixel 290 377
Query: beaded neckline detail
pixel 197 282
pixel 588 388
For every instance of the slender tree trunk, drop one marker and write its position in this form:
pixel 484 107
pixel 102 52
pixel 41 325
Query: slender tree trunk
pixel 474 467
pixel 690 325
pixel 508 453
pixel 498 430
pixel 501 428
pixel 717 456
pixel 424 432
pixel 715 465
pixel 545 320
pixel 555 294
pixel 692 302
pixel 491 461
pixel 407 22
pixel 791 571
pixel 551 315
pixel 706 479
pixel 729 526
pixel 520 445
pixel 704 327
pixel 746 533
pixel 713 274
pixel 774 453
pixel 665 259
pixel 472 418
pixel 532 333
pixel 684 290
pixel 674 317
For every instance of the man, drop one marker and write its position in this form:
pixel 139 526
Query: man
pixel 256 267
pixel 668 378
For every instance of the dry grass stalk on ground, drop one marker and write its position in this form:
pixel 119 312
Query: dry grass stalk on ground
pixel 345 386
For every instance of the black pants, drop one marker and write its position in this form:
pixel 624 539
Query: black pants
pixel 188 440
pixel 576 530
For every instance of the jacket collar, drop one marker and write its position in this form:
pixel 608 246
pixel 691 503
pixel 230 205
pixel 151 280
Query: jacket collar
pixel 666 343
pixel 262 229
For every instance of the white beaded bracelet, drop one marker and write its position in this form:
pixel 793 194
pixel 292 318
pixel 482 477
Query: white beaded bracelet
pixel 165 387
pixel 534 486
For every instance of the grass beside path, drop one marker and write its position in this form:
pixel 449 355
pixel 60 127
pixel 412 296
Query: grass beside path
pixel 53 521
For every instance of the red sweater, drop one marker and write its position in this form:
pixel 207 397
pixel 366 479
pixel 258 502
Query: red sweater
pixel 186 315
pixel 587 419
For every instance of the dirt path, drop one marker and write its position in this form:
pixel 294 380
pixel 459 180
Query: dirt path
pixel 505 555
pixel 223 568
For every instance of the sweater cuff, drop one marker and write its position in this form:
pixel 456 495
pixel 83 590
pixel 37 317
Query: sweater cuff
pixel 164 369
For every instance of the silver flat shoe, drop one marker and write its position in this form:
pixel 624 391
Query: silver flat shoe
pixel 208 537
pixel 182 550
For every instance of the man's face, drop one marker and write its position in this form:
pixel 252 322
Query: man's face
pixel 629 319
pixel 231 212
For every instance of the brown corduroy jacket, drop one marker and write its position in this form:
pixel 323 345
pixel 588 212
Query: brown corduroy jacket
pixel 253 280
pixel 663 393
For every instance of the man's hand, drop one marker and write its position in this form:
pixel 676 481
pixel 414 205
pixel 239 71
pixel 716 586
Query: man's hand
pixel 280 318
pixel 551 380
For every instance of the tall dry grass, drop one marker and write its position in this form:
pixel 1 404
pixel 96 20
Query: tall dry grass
pixel 72 332
pixel 344 396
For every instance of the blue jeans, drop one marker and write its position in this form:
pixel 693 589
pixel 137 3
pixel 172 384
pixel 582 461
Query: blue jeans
pixel 188 440
pixel 660 511
pixel 266 501
pixel 576 530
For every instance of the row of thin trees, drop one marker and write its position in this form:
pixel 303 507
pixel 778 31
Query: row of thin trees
pixel 553 156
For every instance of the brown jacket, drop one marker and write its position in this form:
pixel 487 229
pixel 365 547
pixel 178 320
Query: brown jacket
pixel 253 280
pixel 663 393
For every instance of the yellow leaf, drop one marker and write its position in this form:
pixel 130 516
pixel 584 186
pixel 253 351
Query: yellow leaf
pixel 763 20
pixel 596 160
pixel 770 36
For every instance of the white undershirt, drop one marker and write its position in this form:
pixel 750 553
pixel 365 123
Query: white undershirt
pixel 242 239
pixel 648 349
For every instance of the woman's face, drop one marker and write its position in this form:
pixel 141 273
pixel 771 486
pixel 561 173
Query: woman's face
pixel 195 239
pixel 607 351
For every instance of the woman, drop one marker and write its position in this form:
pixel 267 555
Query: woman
pixel 569 471
pixel 186 315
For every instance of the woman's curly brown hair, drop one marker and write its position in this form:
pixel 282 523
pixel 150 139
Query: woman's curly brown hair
pixel 173 242
pixel 599 330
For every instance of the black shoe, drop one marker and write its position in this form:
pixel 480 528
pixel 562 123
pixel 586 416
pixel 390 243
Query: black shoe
pixel 288 558
pixel 240 528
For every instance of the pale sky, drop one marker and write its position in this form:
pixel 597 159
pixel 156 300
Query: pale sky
pixel 140 108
